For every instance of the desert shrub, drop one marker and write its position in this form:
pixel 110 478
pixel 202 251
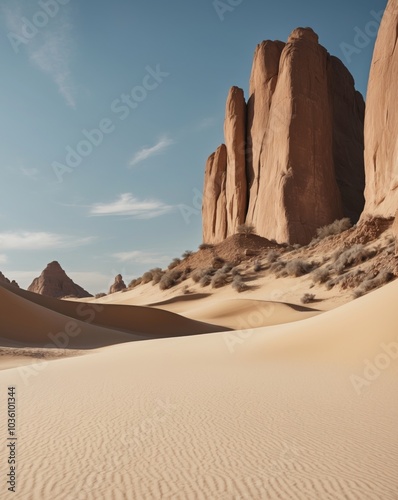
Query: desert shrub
pixel 198 274
pixel 219 280
pixel 239 285
pixel 370 284
pixel 157 277
pixel 170 279
pixel 272 256
pixel 257 266
pixel 320 275
pixel 227 267
pixel 296 246
pixel 246 229
pixel 100 295
pixel 174 263
pixel 298 267
pixel 235 272
pixel 278 266
pixel 307 298
pixel 205 280
pixel 186 290
pixel 218 262
pixel 187 254
pixel 337 227
pixel 206 246
pixel 352 256
pixel 147 277
pixel 135 282
pixel 124 290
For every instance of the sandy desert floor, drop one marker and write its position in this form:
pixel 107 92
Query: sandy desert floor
pixel 293 405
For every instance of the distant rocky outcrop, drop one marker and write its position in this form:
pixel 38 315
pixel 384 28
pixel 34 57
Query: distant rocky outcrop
pixel 293 156
pixel 3 279
pixel 54 282
pixel 118 285
pixel 381 122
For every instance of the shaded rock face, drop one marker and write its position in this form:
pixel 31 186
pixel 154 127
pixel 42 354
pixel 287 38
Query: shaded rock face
pixel 3 279
pixel 303 145
pixel 118 285
pixel 214 209
pixel 235 137
pixel 381 122
pixel 54 282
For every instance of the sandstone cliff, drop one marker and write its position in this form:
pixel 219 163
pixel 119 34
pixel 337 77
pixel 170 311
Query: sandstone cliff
pixel 303 147
pixel 54 282
pixel 381 122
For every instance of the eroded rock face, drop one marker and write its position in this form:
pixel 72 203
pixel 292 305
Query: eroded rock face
pixel 381 121
pixel 214 209
pixel 304 144
pixel 263 80
pixel 54 282
pixel 235 140
pixel 118 285
pixel 3 279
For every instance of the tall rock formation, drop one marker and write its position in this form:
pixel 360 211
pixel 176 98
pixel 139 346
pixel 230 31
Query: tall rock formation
pixel 263 80
pixel 381 122
pixel 118 285
pixel 54 282
pixel 214 210
pixel 304 144
pixel 235 140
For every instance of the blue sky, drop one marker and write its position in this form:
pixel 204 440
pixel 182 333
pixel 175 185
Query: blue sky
pixel 146 83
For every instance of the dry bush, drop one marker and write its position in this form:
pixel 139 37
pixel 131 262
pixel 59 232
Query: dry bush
pixel 135 282
pixel 239 285
pixel 246 229
pixel 337 227
pixel 174 263
pixel 206 246
pixel 272 256
pixel 278 266
pixel 352 257
pixel 227 267
pixel 370 284
pixel 218 262
pixel 299 267
pixel 186 290
pixel 187 254
pixel 220 279
pixel 307 298
pixel 198 274
pixel 205 280
pixel 320 275
pixel 100 295
pixel 257 266
pixel 170 279
pixel 147 277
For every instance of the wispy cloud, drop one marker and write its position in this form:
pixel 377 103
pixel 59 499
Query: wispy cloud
pixel 25 240
pixel 31 173
pixel 206 123
pixel 128 205
pixel 50 48
pixel 3 258
pixel 147 152
pixel 140 257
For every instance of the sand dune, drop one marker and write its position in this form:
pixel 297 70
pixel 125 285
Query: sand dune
pixel 240 314
pixel 265 413
pixel 30 317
